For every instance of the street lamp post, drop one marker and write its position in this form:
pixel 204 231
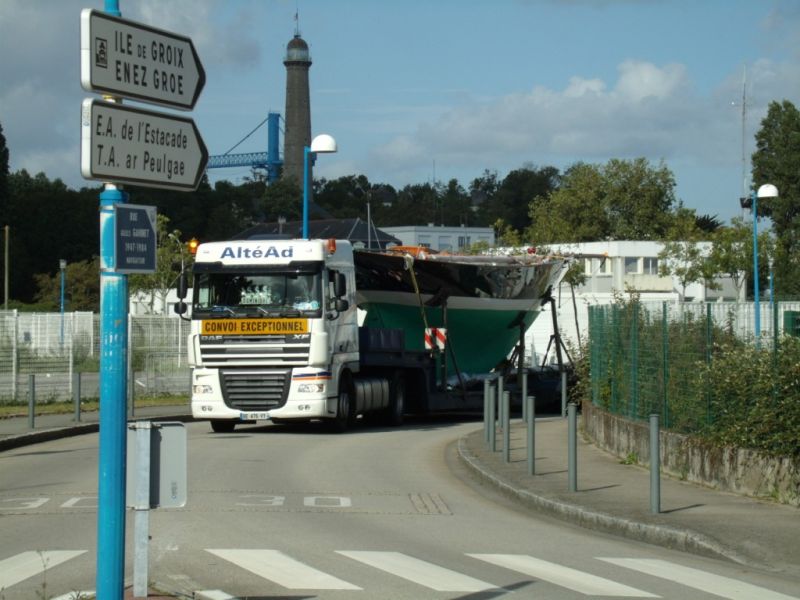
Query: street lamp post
pixel 322 144
pixel 765 191
pixel 62 264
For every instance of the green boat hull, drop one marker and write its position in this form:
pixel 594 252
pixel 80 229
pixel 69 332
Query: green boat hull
pixel 479 339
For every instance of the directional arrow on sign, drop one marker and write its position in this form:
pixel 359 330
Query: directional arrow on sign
pixel 131 145
pixel 125 58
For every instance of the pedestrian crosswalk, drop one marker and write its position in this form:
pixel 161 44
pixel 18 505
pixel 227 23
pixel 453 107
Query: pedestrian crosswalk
pixel 278 568
pixel 22 566
pixel 290 573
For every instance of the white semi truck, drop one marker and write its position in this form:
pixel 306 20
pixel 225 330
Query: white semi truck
pixel 275 337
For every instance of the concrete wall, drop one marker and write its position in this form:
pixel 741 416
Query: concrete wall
pixel 735 470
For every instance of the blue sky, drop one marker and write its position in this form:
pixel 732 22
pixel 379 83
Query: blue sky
pixel 418 89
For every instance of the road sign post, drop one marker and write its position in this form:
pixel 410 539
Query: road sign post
pixel 140 147
pixel 125 58
pixel 121 58
pixel 135 238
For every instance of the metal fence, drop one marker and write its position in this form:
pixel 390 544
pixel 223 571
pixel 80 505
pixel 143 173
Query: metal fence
pixel 659 358
pixel 53 347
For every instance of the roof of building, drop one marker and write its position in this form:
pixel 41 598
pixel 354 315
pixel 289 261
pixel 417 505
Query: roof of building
pixel 354 230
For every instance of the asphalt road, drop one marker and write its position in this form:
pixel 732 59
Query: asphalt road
pixel 281 512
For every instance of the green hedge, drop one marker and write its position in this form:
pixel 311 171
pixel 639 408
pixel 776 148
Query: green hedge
pixel 696 374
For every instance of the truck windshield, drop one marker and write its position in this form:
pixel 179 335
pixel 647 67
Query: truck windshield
pixel 265 294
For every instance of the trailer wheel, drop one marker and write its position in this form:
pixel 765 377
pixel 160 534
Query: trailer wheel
pixel 397 400
pixel 219 426
pixel 345 409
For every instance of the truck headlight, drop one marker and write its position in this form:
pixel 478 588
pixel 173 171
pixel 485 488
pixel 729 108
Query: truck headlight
pixel 311 388
pixel 201 389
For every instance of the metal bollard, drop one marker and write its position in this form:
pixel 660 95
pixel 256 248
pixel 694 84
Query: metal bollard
pixel 530 403
pixel 501 383
pixel 76 395
pixel 31 400
pixel 655 466
pixel 572 443
pixel 492 415
pixel 523 395
pixel 487 386
pixel 506 427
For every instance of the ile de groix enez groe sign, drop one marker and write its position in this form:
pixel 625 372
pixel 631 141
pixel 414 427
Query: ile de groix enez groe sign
pixel 133 60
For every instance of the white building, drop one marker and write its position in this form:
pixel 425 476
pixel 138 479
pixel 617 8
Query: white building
pixel 142 303
pixel 440 237
pixel 613 269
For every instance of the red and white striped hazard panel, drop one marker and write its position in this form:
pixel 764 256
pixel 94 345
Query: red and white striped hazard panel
pixel 435 337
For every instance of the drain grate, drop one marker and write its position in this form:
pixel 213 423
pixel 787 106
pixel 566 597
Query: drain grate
pixel 429 504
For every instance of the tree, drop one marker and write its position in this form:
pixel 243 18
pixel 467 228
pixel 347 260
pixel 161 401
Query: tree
pixel 3 173
pixel 481 191
pixel 777 161
pixel 732 252
pixel 81 287
pixel 171 255
pixel 683 257
pixel 621 200
pixel 521 187
pixel 282 198
pixel 48 222
pixel 575 212
pixel 639 199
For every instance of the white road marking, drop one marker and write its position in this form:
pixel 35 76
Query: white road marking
pixel 76 595
pixel 421 572
pixel 27 564
pixel 566 577
pixel 717 585
pixel 213 595
pixel 283 570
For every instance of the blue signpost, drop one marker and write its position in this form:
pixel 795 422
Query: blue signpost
pixel 126 246
pixel 113 384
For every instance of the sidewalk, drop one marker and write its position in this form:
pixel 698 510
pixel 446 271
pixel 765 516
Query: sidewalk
pixel 15 432
pixel 615 498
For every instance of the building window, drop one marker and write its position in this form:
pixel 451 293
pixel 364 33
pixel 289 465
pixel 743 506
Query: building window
pixel 597 266
pixel 631 265
pixel 463 241
pixel 650 265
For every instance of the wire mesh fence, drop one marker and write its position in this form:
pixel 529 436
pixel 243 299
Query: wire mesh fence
pixel 54 347
pixel 693 364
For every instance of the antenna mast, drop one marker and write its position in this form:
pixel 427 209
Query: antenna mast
pixel 744 121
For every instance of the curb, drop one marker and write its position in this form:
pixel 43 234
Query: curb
pixel 55 433
pixel 678 539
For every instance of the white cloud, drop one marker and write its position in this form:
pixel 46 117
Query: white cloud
pixel 648 111
pixel 639 80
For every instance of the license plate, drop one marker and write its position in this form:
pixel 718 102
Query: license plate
pixel 254 416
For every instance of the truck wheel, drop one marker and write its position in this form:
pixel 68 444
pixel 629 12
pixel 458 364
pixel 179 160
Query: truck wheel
pixel 222 426
pixel 345 409
pixel 397 400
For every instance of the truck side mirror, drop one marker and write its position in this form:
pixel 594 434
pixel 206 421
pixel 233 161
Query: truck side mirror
pixel 183 287
pixel 339 285
pixel 180 307
pixel 341 305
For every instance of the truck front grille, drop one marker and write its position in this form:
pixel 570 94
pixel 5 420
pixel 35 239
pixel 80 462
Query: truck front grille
pixel 248 351
pixel 255 389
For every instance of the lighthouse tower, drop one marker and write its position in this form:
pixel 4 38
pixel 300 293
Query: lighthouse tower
pixel 298 108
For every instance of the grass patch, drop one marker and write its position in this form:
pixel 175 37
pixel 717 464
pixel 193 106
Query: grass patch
pixel 20 409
